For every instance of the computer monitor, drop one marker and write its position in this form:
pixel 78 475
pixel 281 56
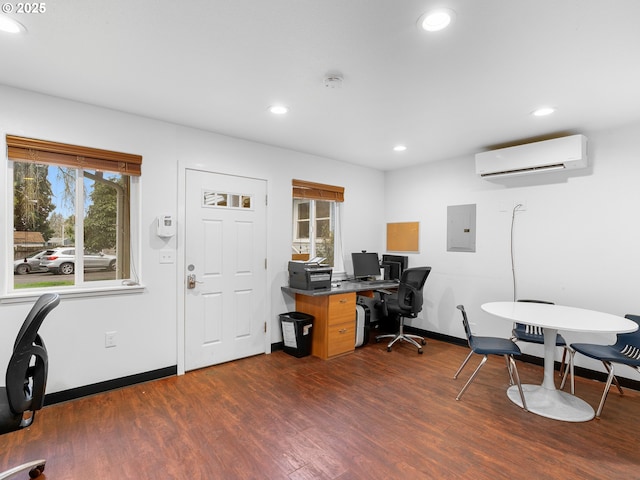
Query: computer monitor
pixel 390 260
pixel 365 265
pixel 392 270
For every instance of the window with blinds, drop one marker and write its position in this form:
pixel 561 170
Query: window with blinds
pixel 71 213
pixel 316 221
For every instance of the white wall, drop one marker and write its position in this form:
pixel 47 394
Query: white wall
pixel 577 242
pixel 148 323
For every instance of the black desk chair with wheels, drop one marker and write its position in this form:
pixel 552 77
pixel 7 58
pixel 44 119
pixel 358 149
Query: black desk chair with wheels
pixel 406 303
pixel 26 379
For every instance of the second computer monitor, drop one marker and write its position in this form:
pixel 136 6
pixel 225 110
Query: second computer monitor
pixel 394 265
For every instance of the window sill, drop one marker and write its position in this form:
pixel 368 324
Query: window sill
pixel 81 292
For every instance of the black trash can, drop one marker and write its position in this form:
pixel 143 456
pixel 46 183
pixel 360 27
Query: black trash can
pixel 296 333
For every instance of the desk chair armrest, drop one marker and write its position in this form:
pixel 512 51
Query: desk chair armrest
pixel 384 291
pixel 412 300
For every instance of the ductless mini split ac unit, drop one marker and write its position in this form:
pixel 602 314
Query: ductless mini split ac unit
pixel 558 154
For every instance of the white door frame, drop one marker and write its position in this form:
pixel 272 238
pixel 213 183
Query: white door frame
pixel 181 267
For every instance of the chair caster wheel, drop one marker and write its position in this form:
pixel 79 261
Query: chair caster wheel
pixel 420 351
pixel 36 471
pixel 388 349
pixel 377 340
pixel 424 342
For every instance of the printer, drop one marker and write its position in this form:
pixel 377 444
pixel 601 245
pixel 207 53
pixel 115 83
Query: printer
pixel 310 275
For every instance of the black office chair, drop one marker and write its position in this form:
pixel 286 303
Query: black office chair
pixel 489 346
pixel 406 303
pixel 533 334
pixel 26 379
pixel 626 351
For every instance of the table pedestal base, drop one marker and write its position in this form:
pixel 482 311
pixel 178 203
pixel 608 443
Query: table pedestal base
pixel 554 404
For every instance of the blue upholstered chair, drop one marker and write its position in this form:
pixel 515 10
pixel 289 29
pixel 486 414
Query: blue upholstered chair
pixel 486 346
pixel 626 351
pixel 533 334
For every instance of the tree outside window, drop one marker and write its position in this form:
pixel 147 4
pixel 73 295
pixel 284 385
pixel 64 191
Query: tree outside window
pixel 32 199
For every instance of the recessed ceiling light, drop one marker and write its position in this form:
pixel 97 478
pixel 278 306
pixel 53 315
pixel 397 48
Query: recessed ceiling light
pixel 278 109
pixel 543 111
pixel 9 25
pixel 436 20
pixel 399 148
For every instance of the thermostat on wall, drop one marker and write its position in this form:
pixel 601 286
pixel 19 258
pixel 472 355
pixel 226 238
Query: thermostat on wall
pixel 166 226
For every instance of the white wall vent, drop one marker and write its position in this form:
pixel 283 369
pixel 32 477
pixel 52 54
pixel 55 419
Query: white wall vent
pixel 558 154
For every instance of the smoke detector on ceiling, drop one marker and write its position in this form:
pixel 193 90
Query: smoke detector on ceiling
pixel 333 80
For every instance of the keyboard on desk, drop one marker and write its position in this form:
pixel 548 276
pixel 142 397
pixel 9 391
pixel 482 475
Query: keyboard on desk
pixel 376 282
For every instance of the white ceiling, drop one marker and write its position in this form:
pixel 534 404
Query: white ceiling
pixel 218 65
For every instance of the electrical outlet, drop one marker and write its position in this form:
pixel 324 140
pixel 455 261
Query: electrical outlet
pixel 110 339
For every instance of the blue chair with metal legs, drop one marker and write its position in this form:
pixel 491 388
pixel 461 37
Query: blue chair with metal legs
pixel 626 351
pixel 486 346
pixel 533 334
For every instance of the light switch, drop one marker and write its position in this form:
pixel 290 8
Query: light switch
pixel 109 339
pixel 167 256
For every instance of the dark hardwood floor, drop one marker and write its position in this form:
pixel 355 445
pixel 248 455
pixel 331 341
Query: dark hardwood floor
pixel 370 415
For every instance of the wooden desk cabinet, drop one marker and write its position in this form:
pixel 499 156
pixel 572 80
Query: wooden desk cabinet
pixel 334 326
pixel 334 312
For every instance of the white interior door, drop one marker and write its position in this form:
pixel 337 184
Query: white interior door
pixel 225 259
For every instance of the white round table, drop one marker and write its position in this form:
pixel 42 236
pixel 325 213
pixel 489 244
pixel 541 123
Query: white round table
pixel 545 399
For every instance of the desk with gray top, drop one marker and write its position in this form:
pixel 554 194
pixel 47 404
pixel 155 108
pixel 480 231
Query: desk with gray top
pixel 334 312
